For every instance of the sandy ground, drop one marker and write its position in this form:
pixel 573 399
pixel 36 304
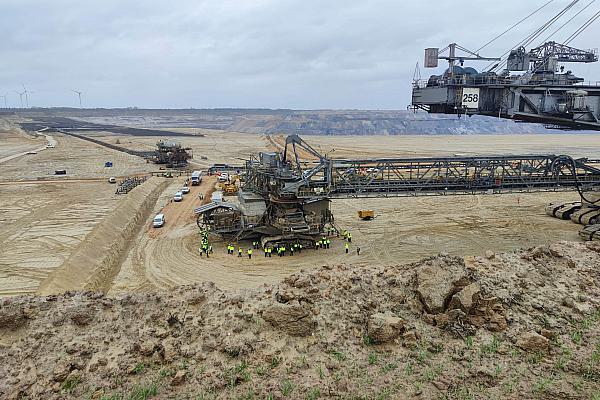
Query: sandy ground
pixel 37 234
pixel 406 230
pixel 40 224
pixel 233 148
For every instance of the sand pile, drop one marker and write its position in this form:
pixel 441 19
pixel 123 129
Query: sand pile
pixel 524 324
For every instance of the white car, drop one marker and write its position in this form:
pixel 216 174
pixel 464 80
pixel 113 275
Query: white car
pixel 112 179
pixel 224 177
pixel 158 221
pixel 178 196
pixel 185 190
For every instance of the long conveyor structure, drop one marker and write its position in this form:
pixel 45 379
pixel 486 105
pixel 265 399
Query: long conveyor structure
pixel 457 175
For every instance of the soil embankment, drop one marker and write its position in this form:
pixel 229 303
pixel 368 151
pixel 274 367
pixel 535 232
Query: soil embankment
pixel 96 261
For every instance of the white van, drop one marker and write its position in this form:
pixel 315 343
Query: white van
pixel 158 221
pixel 196 178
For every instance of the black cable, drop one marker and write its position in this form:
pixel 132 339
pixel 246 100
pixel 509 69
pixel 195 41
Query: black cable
pixel 566 23
pixel 514 26
pixel 582 28
pixel 573 165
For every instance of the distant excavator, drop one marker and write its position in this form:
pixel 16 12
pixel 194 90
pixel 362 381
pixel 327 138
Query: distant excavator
pixel 171 153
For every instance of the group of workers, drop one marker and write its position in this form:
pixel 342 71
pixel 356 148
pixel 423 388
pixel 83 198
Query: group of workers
pixel 322 243
pixel 206 247
pixel 240 252
pixel 281 249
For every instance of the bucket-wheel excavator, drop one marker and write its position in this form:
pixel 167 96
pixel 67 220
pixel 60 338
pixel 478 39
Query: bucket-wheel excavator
pixel 285 195
pixel 527 86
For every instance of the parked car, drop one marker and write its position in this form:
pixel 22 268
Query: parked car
pixel 224 177
pixel 178 196
pixel 112 179
pixel 185 190
pixel 158 221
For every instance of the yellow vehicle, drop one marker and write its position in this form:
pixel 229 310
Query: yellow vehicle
pixel 366 215
pixel 230 188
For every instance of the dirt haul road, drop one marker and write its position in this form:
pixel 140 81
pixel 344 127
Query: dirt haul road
pixel 156 251
pixel 15 141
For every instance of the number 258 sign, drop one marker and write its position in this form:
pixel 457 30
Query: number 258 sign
pixel 470 98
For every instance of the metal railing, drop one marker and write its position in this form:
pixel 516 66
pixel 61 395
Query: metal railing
pixel 495 80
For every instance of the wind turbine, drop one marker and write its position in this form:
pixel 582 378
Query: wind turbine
pixel 78 94
pixel 26 93
pixel 20 97
pixel 4 97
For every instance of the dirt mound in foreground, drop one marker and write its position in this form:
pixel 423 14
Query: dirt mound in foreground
pixel 524 324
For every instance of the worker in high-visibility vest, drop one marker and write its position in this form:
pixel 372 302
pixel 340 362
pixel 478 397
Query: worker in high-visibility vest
pixel 269 251
pixel 266 252
pixel 349 237
pixel 239 251
pixel 328 243
pixel 347 247
pixel 250 253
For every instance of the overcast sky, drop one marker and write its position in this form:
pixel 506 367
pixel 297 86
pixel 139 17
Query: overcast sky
pixel 248 53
